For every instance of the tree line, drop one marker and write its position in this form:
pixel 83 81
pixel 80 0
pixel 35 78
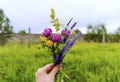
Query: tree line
pixel 98 33
pixel 6 29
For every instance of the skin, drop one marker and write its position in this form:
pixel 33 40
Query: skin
pixel 47 73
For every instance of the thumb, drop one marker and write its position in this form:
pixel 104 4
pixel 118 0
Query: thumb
pixel 54 71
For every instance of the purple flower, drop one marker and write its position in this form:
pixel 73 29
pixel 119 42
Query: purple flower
pixel 66 32
pixel 73 25
pixel 69 21
pixel 56 38
pixel 67 46
pixel 47 32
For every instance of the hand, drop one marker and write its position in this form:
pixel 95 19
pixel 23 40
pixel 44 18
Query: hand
pixel 47 73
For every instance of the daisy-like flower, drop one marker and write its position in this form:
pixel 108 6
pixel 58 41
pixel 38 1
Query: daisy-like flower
pixel 47 32
pixel 43 39
pixel 56 37
pixel 49 43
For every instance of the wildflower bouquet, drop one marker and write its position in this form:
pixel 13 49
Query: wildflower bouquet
pixel 59 42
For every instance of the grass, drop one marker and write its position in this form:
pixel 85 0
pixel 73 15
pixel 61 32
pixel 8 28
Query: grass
pixel 85 62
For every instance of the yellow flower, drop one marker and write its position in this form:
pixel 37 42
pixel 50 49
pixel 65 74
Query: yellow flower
pixel 49 43
pixel 43 39
pixel 52 15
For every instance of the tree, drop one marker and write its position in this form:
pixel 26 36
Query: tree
pixel 74 32
pixel 89 35
pixel 22 32
pixel 118 30
pixel 117 35
pixel 5 27
pixel 77 31
pixel 104 32
pixel 89 27
pixel 96 33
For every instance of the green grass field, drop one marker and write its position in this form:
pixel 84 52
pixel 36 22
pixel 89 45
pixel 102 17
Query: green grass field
pixel 85 62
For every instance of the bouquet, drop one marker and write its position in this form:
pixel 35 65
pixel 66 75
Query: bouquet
pixel 60 41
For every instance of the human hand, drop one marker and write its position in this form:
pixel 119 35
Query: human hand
pixel 47 73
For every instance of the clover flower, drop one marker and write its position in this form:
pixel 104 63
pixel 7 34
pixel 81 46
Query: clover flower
pixel 56 37
pixel 47 32
pixel 65 32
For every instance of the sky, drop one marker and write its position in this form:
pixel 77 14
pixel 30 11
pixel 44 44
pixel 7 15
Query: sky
pixel 35 13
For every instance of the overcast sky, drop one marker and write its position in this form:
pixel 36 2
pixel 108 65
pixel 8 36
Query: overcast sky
pixel 35 13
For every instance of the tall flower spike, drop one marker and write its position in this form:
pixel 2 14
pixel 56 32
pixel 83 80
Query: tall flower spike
pixel 69 21
pixel 73 25
pixel 65 39
pixel 66 48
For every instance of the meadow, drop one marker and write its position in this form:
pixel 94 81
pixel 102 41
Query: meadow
pixel 85 62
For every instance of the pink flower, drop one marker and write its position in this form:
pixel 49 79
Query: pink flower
pixel 56 37
pixel 65 32
pixel 47 32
